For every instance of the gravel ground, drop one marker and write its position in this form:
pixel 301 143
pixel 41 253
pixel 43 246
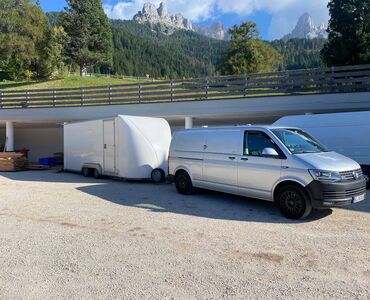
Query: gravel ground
pixel 65 236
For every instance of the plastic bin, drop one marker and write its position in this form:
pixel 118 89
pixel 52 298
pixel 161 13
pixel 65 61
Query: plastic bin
pixel 48 161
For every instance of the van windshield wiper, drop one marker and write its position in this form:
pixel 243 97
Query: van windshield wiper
pixel 307 152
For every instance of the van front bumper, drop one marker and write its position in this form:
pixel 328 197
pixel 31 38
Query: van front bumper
pixel 336 194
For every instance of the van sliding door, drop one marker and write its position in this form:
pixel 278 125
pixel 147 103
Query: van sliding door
pixel 220 160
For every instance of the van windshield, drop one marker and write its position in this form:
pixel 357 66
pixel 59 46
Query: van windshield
pixel 298 141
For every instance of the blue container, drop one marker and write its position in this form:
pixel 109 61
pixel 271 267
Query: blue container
pixel 47 161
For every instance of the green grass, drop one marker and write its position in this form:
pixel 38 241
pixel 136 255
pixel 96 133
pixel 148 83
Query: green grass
pixel 69 82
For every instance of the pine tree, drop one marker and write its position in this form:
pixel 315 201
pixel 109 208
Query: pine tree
pixel 300 53
pixel 90 35
pixel 349 33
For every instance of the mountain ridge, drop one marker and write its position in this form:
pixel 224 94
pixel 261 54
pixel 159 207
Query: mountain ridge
pixel 161 16
pixel 306 29
pixel 168 23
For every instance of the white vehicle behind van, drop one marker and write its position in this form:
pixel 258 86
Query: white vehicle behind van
pixel 345 133
pixel 125 146
pixel 284 165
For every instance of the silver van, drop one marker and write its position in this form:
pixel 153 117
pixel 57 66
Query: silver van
pixel 283 165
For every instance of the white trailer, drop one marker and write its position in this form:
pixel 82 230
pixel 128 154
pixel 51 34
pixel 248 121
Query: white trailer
pixel 124 146
pixel 345 133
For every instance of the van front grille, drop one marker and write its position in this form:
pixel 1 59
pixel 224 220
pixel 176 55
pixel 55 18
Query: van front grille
pixel 351 175
pixel 331 195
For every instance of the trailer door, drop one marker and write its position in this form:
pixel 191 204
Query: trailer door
pixel 109 137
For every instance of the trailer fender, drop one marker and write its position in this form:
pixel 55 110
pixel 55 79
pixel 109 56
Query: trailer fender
pixel 93 166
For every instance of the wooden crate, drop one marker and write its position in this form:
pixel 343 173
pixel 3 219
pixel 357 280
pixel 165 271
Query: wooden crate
pixel 12 161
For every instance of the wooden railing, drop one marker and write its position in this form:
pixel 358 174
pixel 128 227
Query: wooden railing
pixel 313 81
pixel 147 78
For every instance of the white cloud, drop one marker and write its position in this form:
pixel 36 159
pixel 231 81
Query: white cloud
pixel 284 13
pixel 194 10
pixel 123 10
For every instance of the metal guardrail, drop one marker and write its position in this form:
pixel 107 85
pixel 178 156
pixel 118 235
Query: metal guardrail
pixel 313 81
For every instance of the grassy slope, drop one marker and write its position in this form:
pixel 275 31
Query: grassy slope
pixel 70 82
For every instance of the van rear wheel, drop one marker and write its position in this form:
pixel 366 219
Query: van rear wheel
pixel 293 202
pixel 183 183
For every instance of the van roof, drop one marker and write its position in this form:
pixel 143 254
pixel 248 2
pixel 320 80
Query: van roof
pixel 253 127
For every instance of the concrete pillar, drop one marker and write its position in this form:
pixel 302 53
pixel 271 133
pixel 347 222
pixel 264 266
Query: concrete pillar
pixel 9 136
pixel 188 122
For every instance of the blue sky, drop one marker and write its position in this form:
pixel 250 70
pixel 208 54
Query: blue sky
pixel 274 18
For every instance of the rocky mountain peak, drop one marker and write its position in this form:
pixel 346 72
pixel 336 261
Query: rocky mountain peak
pixel 306 28
pixel 216 30
pixel 161 16
pixel 168 23
pixel 149 9
pixel 163 11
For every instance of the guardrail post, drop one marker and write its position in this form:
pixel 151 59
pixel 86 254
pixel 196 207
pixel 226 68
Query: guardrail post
pixel 139 91
pixel 207 88
pixel 110 95
pixel 27 98
pixel 82 97
pixel 245 84
pixel 54 97
pixel 332 80
pixel 172 91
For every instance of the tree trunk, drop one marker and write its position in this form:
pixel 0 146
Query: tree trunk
pixel 82 70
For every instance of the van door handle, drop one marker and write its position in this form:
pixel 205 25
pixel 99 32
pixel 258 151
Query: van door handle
pixel 284 167
pixel 244 158
pixel 232 157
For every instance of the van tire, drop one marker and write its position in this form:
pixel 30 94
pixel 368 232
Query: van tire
pixel 183 183
pixel 158 176
pixel 293 202
pixel 86 172
pixel 96 174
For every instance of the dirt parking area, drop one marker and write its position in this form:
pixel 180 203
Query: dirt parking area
pixel 65 236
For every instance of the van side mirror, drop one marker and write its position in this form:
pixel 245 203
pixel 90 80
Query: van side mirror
pixel 270 152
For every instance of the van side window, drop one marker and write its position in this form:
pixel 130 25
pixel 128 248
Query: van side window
pixel 255 142
pixel 223 141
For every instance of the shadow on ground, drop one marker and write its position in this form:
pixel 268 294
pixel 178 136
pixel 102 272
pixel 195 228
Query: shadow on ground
pixel 206 204
pixel 164 198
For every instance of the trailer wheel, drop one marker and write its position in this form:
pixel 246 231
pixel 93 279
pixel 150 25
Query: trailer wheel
pixel 86 172
pixel 96 174
pixel 158 176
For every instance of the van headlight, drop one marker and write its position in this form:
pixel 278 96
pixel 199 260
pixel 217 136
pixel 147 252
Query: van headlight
pixel 322 175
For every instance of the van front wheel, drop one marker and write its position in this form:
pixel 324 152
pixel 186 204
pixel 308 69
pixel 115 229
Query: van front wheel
pixel 293 202
pixel 183 183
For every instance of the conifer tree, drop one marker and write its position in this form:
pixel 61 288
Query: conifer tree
pixel 349 33
pixel 90 35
